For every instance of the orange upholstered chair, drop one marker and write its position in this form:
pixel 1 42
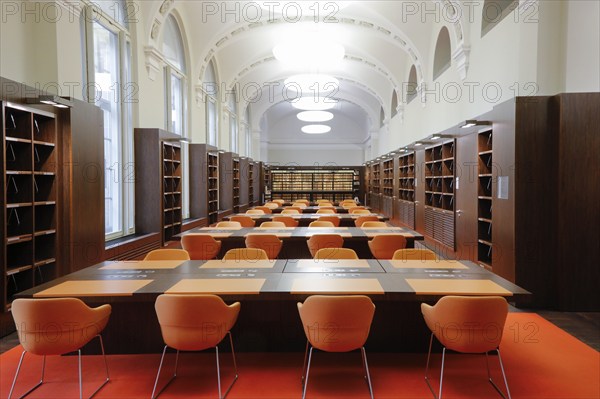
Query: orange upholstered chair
pixel 376 224
pixel 326 211
pixel 333 219
pixel 343 324
pixel 336 253
pixel 467 324
pixel 359 211
pixel 414 254
pixel 250 254
pixel 298 208
pixel 57 326
pixel 361 219
pixel 279 201
pixel 272 205
pixel 167 254
pixel 303 200
pixel 320 223
pixel 383 246
pixel 255 212
pixel 195 323
pixel 319 241
pixel 290 212
pixel 229 225
pixel 200 246
pixel 245 221
pixel 300 205
pixel 287 220
pixel 265 209
pixel 319 201
pixel 267 242
pixel 324 204
pixel 272 225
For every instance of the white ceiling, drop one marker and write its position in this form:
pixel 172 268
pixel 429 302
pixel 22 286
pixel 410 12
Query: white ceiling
pixel 382 40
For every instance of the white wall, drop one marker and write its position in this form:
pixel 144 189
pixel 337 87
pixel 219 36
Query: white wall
pixel 315 155
pixel 583 46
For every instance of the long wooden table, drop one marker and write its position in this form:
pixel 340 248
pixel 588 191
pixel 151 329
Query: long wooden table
pixel 294 238
pixel 314 209
pixel 304 219
pixel 269 291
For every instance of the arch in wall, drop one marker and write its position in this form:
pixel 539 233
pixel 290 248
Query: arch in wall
pixel 442 58
pixel 412 85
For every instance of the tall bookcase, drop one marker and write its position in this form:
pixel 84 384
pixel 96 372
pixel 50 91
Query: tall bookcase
pixel 236 184
pixel 406 189
pixel 158 182
pixel 439 193
pixel 484 199
pixel 334 184
pixel 29 199
pixel 251 183
pixel 266 181
pixel 213 185
pixel 388 177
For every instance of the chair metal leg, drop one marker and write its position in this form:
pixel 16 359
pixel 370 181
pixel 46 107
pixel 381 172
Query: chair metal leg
pixel 158 376
pixel 427 367
pixel 366 365
pixel 307 372
pixel 304 364
pixel 17 375
pixel 219 369
pixel 503 376
pixel 105 366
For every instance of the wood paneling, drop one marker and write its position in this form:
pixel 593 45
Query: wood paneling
pixel 578 206
pixel 225 183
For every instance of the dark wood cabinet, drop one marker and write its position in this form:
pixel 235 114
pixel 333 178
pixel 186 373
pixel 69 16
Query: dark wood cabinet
pixel 226 183
pixel 200 181
pixel 405 185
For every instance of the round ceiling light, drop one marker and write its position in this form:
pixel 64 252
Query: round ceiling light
pixel 310 84
pixel 316 129
pixel 314 103
pixel 315 116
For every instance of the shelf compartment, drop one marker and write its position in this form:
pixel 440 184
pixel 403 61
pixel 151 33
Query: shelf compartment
pixel 17 123
pixel 485 186
pixel 45 217
pixel 45 248
pixel 44 187
pixel 44 129
pixel 18 155
pixel 485 208
pixel 18 188
pixel 484 252
pixel 19 222
pixel 19 255
pixel 485 141
pixel 44 271
pixel 484 229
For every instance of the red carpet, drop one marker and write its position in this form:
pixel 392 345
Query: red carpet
pixel 541 360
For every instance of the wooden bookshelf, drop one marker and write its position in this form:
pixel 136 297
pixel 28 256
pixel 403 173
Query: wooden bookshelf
pixel 439 193
pixel 226 183
pixel 158 190
pixel 244 183
pixel 251 182
pixel 388 177
pixel 29 200
pixel 334 184
pixel 212 165
pixel 266 181
pixel 236 184
pixel 406 189
pixel 484 199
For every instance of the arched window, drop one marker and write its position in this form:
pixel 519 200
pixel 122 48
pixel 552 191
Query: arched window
pixel 441 59
pixel 495 11
pixel 412 85
pixel 394 110
pixel 233 120
pixel 211 90
pixel 107 75
pixel 175 100
pixel 381 117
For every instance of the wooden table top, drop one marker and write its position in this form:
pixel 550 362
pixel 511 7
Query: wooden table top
pixel 314 209
pixel 279 279
pixel 308 216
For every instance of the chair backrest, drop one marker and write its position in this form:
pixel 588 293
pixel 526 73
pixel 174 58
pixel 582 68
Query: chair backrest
pixel 167 254
pixel 324 204
pixel 319 241
pixel 290 212
pixel 383 246
pixel 303 200
pixel 333 219
pixel 359 211
pixel 337 323
pixel 57 326
pixel 272 225
pixel 336 253
pixel 267 242
pixel 374 224
pixel 278 201
pixel 287 220
pixel 200 246
pixel 298 208
pixel 467 324
pixel 244 221
pixel 272 205
pixel 414 254
pixel 323 200
pixel 194 322
pixel 326 211
pixel 250 254
pixel 361 219
pixel 229 224
pixel 255 212
pixel 319 223
pixel 265 209
pixel 299 205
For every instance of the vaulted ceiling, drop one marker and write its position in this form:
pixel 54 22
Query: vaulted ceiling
pixel 382 39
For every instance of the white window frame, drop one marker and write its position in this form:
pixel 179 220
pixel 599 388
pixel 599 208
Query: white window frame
pixel 91 15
